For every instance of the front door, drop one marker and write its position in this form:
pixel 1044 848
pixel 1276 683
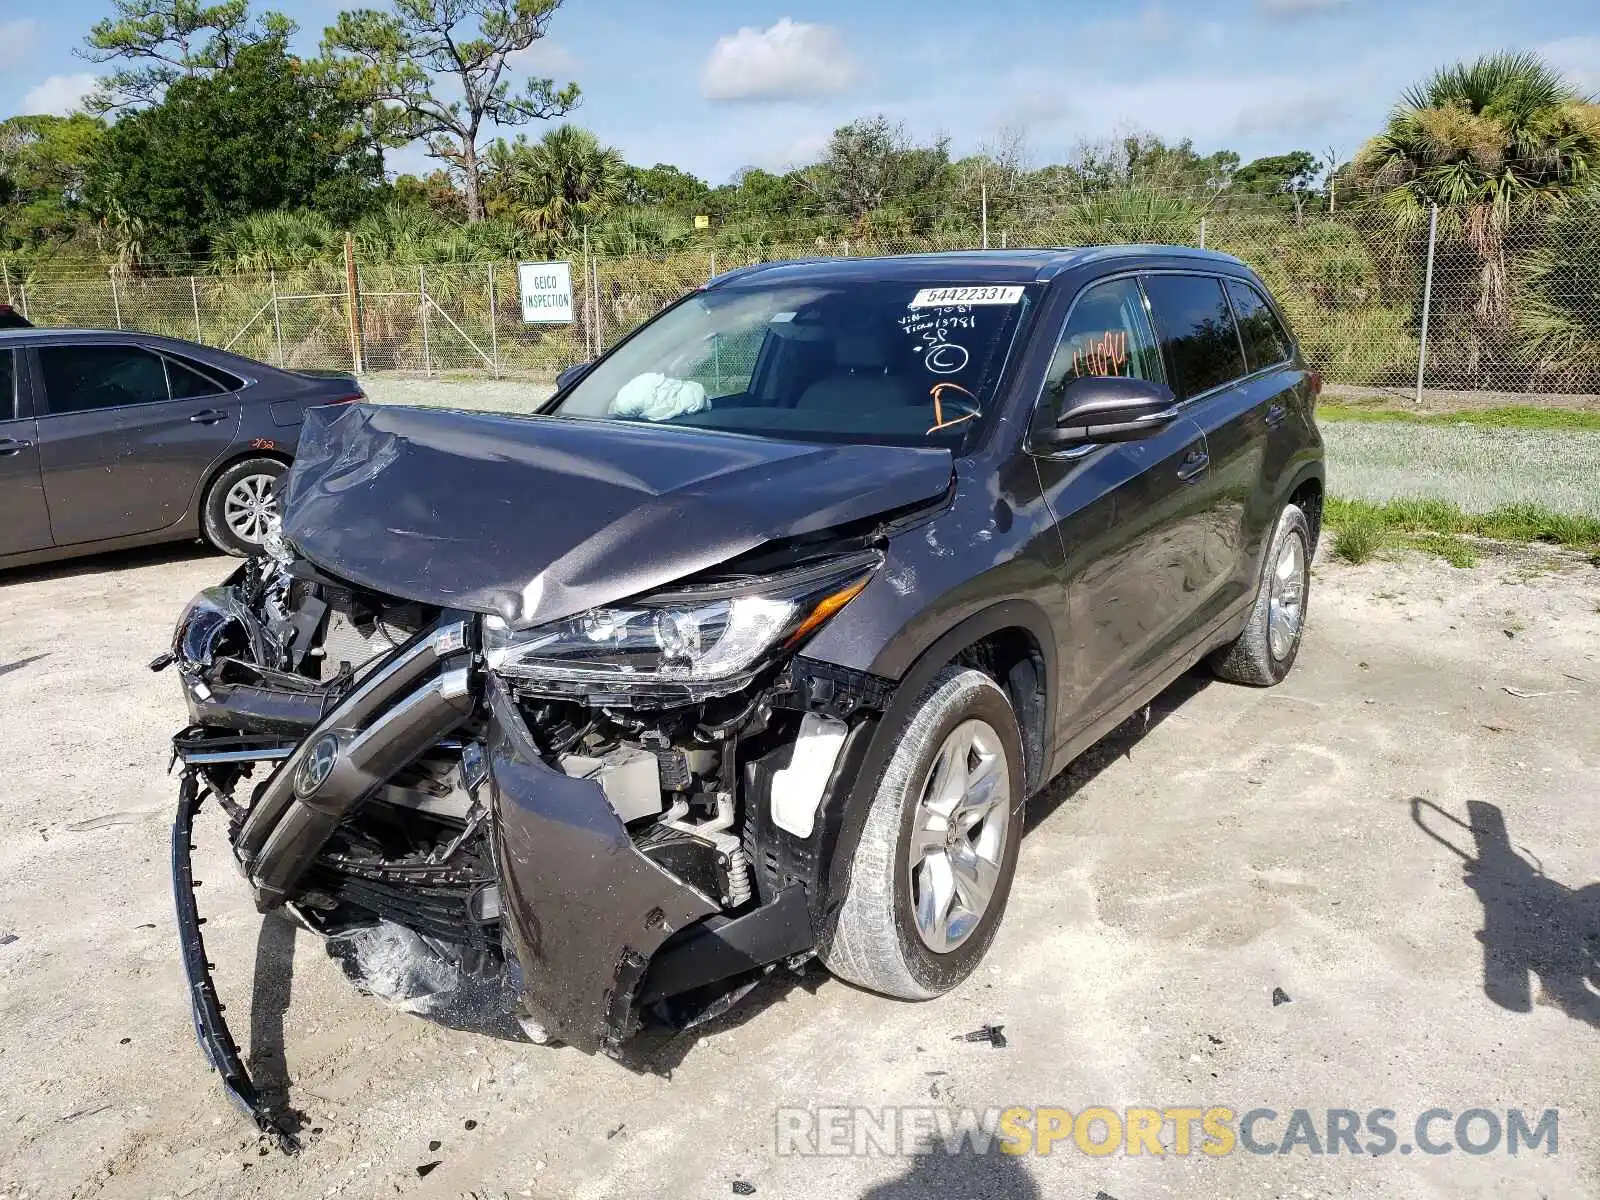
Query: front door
pixel 24 520
pixel 1133 538
pixel 125 438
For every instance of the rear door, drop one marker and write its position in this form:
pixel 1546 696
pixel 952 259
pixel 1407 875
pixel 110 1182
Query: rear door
pixel 125 438
pixel 1203 351
pixel 24 520
pixel 1135 542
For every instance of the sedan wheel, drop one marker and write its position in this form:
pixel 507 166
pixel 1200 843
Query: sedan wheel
pixel 249 506
pixel 241 505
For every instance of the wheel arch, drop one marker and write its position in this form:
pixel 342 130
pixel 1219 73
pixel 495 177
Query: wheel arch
pixel 1010 641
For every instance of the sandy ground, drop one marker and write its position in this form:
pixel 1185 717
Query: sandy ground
pixel 1235 842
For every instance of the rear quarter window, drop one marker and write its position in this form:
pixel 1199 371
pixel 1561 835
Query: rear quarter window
pixel 1266 343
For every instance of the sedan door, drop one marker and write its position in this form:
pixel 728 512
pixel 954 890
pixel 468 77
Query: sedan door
pixel 125 438
pixel 1133 538
pixel 24 520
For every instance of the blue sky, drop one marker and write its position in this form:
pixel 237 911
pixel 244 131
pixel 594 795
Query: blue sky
pixel 715 85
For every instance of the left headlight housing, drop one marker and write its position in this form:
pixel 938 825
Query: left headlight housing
pixel 690 643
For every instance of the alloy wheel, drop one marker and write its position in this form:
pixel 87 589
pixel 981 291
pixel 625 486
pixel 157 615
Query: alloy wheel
pixel 249 506
pixel 1286 593
pixel 958 835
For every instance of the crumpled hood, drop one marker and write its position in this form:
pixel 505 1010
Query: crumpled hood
pixel 538 518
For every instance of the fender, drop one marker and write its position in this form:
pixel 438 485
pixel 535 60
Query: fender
pixel 872 743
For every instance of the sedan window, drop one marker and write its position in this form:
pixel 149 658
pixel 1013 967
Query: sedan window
pixel 83 378
pixel 187 384
pixel 1197 331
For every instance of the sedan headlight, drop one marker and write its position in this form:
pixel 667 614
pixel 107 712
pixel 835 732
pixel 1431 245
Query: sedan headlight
pixel 693 642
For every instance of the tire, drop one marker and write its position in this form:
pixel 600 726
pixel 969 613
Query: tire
pixel 1256 657
pixel 875 941
pixel 227 519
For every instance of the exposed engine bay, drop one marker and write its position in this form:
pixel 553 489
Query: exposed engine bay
pixel 598 824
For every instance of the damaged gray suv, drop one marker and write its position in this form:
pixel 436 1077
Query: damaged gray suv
pixel 751 646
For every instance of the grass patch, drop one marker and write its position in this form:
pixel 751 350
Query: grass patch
pixel 1361 528
pixel 1515 416
pixel 1447 546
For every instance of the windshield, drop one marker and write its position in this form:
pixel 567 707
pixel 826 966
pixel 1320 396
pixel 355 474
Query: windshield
pixel 903 363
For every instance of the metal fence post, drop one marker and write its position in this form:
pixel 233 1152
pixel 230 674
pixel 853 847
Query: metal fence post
pixel 352 299
pixel 22 298
pixel 277 323
pixel 116 303
pixel 422 301
pixel 713 274
pixel 599 325
pixel 494 327
pixel 1427 298
pixel 6 272
pixel 1202 233
pixel 588 317
pixel 194 295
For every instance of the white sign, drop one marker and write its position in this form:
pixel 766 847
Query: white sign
pixel 949 297
pixel 546 292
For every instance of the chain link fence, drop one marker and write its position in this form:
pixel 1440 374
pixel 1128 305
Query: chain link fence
pixel 1377 301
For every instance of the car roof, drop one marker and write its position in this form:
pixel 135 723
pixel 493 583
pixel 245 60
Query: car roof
pixel 975 266
pixel 55 333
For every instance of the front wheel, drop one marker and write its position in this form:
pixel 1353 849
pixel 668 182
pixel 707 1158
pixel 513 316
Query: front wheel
pixel 1262 655
pixel 932 873
pixel 238 507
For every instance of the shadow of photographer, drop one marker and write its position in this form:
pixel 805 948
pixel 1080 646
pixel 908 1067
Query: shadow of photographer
pixel 1533 926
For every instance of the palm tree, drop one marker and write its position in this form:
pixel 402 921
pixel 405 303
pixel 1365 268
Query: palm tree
pixel 1130 213
pixel 277 238
pixel 1491 142
pixel 565 180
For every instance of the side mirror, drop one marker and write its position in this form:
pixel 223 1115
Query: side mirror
pixel 1109 408
pixel 571 375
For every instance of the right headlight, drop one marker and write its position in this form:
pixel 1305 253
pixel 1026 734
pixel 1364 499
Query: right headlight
pixel 694 641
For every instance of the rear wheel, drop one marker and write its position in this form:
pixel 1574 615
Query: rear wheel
pixel 933 870
pixel 237 509
pixel 1262 655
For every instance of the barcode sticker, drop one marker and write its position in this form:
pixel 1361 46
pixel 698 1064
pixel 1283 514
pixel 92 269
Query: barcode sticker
pixel 945 297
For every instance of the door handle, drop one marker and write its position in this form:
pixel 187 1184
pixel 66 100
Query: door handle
pixel 10 446
pixel 1193 465
pixel 1275 415
pixel 207 416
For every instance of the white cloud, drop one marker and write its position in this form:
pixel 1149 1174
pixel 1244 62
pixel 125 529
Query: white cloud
pixel 1296 8
pixel 790 61
pixel 547 58
pixel 60 95
pixel 17 41
pixel 1578 58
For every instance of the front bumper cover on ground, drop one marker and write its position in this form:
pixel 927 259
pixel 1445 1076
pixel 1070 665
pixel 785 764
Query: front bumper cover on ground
pixel 210 1029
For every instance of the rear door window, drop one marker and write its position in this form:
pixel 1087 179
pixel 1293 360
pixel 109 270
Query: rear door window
pixel 84 378
pixel 1197 331
pixel 1265 342
pixel 8 386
